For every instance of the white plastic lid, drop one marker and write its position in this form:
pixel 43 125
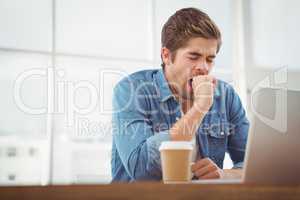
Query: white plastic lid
pixel 174 145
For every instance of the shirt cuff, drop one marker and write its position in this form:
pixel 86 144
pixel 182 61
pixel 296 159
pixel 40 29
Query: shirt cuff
pixel 153 144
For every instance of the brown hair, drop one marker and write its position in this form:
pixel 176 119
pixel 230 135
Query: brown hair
pixel 185 24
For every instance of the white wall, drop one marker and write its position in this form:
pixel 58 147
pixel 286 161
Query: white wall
pixel 26 24
pixel 272 40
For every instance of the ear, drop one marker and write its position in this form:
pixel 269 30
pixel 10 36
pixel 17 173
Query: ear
pixel 166 55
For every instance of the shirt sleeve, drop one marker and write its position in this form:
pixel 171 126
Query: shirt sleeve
pixel 136 142
pixel 237 139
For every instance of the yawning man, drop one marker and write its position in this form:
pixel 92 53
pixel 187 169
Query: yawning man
pixel 181 101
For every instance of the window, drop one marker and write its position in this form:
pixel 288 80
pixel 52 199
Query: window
pixel 73 52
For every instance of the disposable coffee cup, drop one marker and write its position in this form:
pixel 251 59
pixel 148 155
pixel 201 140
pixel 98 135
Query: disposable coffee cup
pixel 176 158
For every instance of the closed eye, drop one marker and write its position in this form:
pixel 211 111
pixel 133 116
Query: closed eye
pixel 210 60
pixel 193 58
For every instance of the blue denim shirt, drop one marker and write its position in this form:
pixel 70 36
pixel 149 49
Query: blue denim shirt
pixel 145 110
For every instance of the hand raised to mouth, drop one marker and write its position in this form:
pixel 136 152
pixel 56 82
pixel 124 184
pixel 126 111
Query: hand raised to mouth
pixel 203 87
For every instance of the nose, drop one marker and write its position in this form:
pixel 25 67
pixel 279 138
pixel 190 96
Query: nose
pixel 202 67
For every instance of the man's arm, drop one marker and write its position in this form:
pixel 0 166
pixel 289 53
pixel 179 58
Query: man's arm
pixel 237 140
pixel 135 140
pixel 206 168
pixel 186 127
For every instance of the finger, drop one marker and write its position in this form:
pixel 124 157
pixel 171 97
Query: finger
pixel 200 163
pixel 192 166
pixel 212 175
pixel 205 81
pixel 202 78
pixel 210 78
pixel 203 85
pixel 205 170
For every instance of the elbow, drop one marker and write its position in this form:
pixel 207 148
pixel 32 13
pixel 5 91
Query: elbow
pixel 140 168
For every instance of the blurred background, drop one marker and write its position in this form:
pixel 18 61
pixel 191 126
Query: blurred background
pixel 59 60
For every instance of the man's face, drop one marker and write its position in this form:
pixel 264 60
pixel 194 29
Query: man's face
pixel 194 59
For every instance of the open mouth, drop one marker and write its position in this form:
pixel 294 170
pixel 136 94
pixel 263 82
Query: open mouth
pixel 190 85
pixel 190 82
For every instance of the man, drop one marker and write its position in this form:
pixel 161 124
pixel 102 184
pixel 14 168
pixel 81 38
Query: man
pixel 180 102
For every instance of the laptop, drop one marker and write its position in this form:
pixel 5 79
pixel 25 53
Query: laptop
pixel 273 148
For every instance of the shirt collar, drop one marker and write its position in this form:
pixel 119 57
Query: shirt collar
pixel 164 90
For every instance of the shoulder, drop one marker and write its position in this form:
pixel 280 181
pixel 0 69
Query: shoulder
pixel 224 89
pixel 228 96
pixel 136 80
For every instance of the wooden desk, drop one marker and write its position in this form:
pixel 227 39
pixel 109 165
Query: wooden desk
pixel 152 191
